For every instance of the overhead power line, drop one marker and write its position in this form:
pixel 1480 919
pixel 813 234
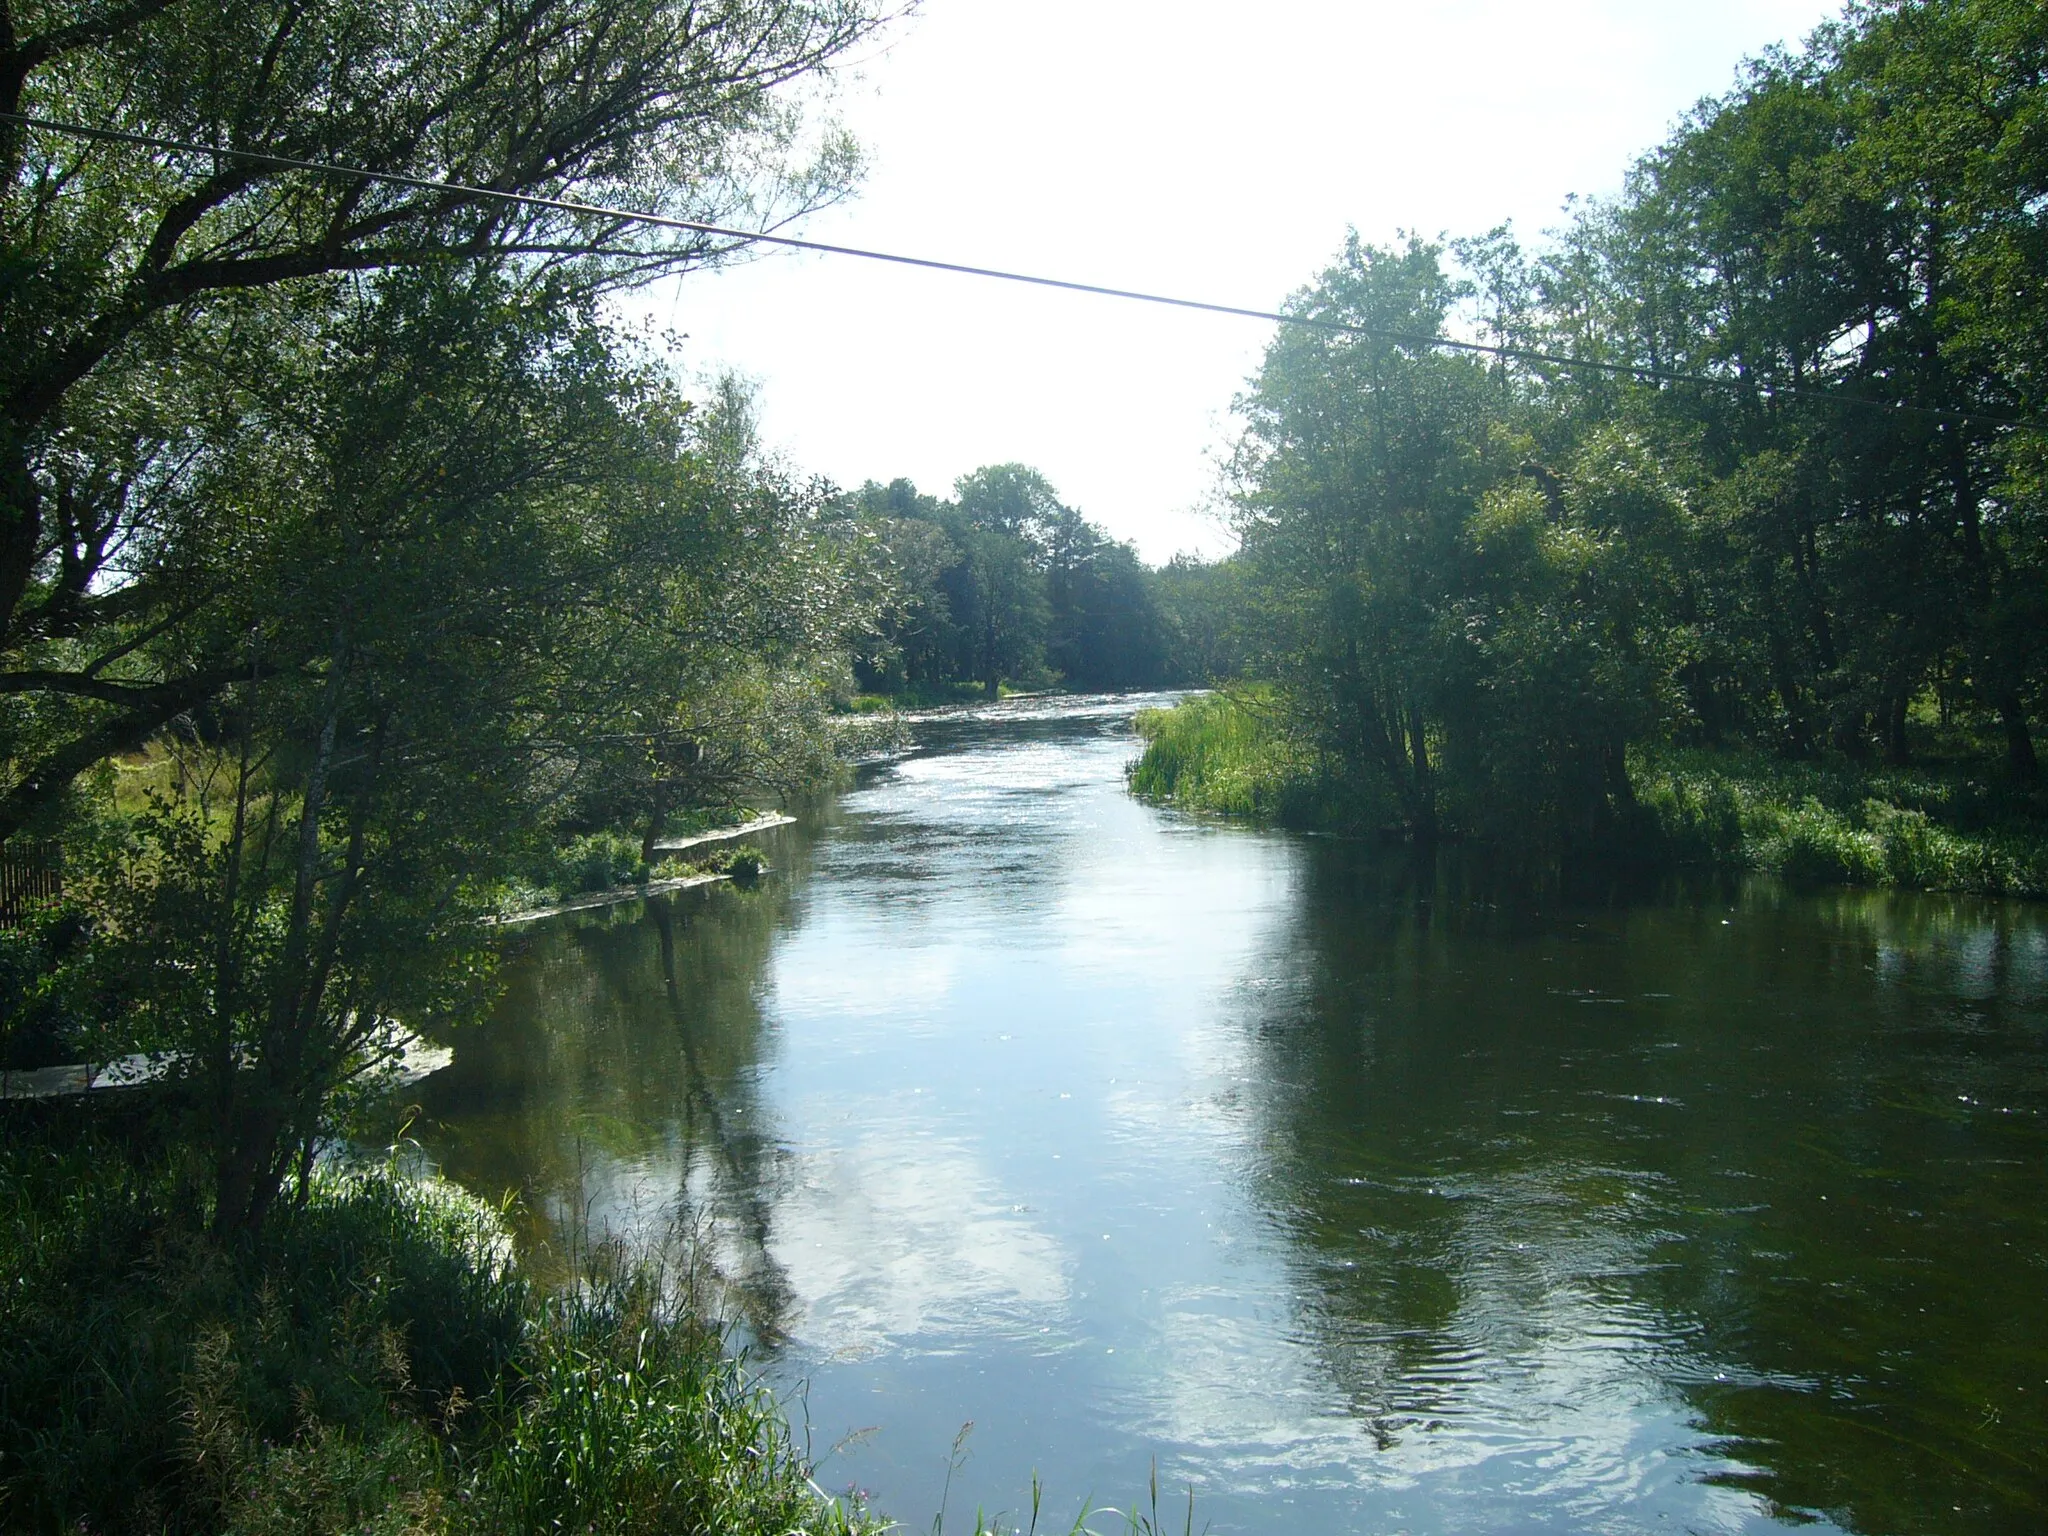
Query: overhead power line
pixel 1414 339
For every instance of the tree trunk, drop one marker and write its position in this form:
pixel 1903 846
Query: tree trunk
pixel 1898 751
pixel 249 1169
pixel 1798 732
pixel 2019 738
pixel 21 526
pixel 657 821
pixel 1422 816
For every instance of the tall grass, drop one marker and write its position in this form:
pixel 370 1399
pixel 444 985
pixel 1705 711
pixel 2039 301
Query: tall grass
pixel 1225 753
pixel 1936 828
pixel 381 1365
pixel 1951 827
pixel 629 1416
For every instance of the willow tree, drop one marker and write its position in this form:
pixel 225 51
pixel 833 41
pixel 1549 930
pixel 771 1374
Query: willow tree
pixel 514 554
pixel 129 270
pixel 347 475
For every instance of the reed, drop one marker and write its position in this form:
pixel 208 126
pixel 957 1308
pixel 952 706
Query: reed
pixel 1225 753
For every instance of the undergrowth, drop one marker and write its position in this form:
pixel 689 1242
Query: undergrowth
pixel 380 1365
pixel 1960 826
pixel 607 860
pixel 1946 828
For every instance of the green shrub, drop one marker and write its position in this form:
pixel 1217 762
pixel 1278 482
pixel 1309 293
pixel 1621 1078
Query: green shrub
pixel 148 1374
pixel 379 1365
pixel 1223 752
pixel 741 861
pixel 599 861
pixel 1937 829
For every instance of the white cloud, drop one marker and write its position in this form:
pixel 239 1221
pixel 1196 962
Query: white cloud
pixel 901 1234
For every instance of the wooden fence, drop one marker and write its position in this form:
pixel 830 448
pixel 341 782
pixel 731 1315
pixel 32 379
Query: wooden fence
pixel 30 875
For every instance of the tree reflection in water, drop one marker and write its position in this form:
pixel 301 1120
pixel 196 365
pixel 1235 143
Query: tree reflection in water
pixel 1361 1199
pixel 1777 1155
pixel 620 1095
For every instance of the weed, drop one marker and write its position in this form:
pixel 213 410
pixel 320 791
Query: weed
pixel 381 1365
pixel 1948 828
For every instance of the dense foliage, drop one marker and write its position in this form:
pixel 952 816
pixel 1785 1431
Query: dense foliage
pixel 381 1364
pixel 1790 500
pixel 345 496
pixel 1007 584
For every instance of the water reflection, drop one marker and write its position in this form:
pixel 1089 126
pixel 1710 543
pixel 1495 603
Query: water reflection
pixel 1780 1156
pixel 1357 1200
pixel 616 1091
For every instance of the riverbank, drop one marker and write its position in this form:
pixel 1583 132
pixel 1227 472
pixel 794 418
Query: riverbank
pixel 1956 825
pixel 382 1363
pixel 724 865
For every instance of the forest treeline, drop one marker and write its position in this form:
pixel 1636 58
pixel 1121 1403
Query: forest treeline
pixel 1004 583
pixel 1784 506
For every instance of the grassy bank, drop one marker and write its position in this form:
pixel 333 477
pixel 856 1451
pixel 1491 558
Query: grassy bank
pixel 382 1365
pixel 921 696
pixel 918 696
pixel 1226 754
pixel 1943 827
pixel 605 861
pixel 1959 825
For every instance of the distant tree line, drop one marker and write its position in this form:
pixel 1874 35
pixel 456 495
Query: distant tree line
pixel 1479 588
pixel 1005 583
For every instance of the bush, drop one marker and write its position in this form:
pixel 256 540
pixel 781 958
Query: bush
pixel 148 1374
pixel 380 1365
pixel 599 861
pixel 740 861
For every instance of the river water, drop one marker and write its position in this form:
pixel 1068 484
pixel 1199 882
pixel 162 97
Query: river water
pixel 1138 1141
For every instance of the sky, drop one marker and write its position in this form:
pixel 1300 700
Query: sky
pixel 1212 151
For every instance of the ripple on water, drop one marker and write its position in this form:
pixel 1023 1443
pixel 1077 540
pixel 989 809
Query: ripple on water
pixel 1131 1137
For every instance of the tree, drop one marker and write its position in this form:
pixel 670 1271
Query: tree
pixel 1361 462
pixel 1200 605
pixel 1007 583
pixel 346 476
pixel 917 638
pixel 1843 231
pixel 134 281
pixel 514 557
pixel 997 597
pixel 1103 627
pixel 1014 500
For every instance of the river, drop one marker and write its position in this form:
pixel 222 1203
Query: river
pixel 1138 1141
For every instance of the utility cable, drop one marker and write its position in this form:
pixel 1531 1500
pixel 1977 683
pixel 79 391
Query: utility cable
pixel 1411 339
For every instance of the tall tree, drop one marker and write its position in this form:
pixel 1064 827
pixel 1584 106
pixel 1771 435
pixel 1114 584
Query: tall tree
pixel 129 273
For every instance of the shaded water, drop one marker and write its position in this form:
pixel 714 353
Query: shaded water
pixel 1129 1137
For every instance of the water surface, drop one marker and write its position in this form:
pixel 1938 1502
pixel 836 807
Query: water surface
pixel 1355 1206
